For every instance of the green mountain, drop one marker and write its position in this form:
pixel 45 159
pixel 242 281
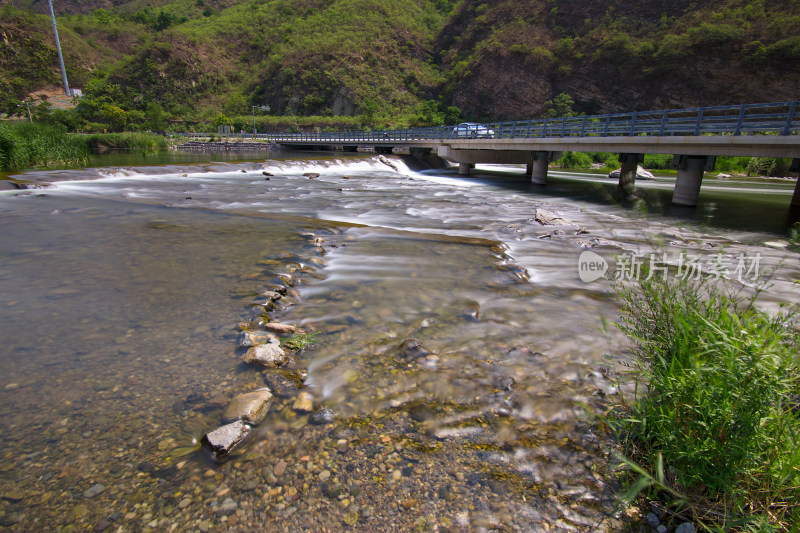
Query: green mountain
pixel 399 62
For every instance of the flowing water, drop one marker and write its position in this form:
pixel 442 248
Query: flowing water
pixel 454 341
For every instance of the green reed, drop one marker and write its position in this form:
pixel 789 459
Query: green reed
pixel 714 427
pixel 34 145
pixel 25 145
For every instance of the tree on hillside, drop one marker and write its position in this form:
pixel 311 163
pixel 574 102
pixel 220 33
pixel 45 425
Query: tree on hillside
pixel 154 117
pixel 560 106
pixel 115 116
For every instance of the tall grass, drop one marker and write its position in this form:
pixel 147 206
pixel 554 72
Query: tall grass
pixel 130 140
pixel 27 145
pixel 34 145
pixel 714 427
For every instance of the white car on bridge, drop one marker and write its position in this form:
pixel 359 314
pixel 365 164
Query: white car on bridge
pixel 472 130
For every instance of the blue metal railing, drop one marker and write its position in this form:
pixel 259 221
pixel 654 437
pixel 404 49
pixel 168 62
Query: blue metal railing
pixel 747 119
pixel 781 118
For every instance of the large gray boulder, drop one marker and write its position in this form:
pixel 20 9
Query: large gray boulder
pixel 548 218
pixel 270 354
pixel 224 440
pixel 641 174
pixel 250 407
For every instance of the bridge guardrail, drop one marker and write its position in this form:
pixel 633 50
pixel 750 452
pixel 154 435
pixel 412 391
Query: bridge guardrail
pixel 782 118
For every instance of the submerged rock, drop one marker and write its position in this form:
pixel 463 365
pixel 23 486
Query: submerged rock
pixel 504 383
pixel 283 383
pixel 94 490
pixel 271 295
pixel 224 440
pixel 304 402
pixel 227 507
pixel 250 407
pixel 322 417
pixel 412 349
pixel 311 175
pixel 270 354
pixel 254 338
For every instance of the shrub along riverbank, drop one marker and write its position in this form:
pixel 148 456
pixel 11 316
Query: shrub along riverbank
pixel 744 166
pixel 713 432
pixel 36 145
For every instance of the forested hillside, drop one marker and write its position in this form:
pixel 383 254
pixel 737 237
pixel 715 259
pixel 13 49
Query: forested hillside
pixel 152 63
pixel 507 58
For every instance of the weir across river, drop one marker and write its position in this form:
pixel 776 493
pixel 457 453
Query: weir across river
pixel 694 137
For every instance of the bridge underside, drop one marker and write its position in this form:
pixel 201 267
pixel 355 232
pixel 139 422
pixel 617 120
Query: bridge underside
pixel 693 155
pixel 536 162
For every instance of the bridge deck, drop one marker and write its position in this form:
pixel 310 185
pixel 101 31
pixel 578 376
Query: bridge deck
pixel 717 145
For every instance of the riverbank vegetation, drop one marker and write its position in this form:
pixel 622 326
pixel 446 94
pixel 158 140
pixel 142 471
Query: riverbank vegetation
pixel 713 431
pixel 41 145
pixel 740 166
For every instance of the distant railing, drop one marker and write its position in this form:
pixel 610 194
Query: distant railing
pixel 747 119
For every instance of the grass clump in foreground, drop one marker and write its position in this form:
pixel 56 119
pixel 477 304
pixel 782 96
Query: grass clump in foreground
pixel 713 431
pixel 300 341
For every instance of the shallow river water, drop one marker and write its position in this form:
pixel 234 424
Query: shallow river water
pixel 459 350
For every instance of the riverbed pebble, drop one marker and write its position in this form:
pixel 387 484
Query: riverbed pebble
pixel 227 507
pixel 94 490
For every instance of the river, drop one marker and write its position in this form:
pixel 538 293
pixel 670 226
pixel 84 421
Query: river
pixel 458 348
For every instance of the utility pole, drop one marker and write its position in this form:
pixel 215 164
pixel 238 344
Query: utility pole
pixel 262 108
pixel 58 47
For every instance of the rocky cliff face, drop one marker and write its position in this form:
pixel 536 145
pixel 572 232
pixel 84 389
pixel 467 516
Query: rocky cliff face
pixel 501 85
pixel 505 60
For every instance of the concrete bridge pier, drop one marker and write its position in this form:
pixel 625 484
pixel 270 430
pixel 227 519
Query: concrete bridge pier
pixel 627 174
pixel 796 169
pixel 464 168
pixel 537 167
pixel 690 176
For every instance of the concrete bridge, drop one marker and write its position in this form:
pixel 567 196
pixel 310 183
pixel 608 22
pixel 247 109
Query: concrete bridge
pixel 694 137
